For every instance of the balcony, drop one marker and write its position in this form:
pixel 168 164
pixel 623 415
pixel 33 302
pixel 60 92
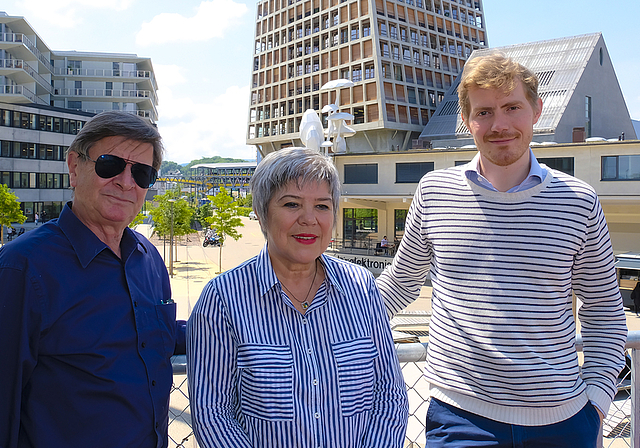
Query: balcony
pixel 135 96
pixel 19 94
pixel 21 72
pixel 9 41
pixel 142 113
pixel 108 75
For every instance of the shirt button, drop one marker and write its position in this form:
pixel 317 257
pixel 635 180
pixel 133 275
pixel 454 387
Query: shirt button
pixel 144 344
pixel 315 382
pixel 309 351
pixel 153 382
pixel 316 415
pixel 304 321
pixel 135 303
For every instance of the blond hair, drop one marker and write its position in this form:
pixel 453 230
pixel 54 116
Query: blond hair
pixel 496 71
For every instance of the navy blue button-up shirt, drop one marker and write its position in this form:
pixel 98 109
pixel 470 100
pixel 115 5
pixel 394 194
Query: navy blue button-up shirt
pixel 85 340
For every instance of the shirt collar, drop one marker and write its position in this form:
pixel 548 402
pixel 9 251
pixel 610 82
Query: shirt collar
pixel 267 279
pixel 472 169
pixel 86 244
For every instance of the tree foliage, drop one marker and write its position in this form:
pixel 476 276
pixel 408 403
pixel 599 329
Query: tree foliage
pixel 161 212
pixel 9 209
pixel 224 220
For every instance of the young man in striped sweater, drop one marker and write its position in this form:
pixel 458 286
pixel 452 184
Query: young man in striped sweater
pixel 508 241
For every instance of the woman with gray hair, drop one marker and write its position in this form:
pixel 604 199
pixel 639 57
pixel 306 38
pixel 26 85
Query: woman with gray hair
pixel 293 348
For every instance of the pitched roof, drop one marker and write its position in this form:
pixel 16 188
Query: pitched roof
pixel 558 63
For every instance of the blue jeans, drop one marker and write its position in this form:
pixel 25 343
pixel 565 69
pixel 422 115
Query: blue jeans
pixel 451 427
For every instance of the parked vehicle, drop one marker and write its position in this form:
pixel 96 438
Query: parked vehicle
pixel 252 215
pixel 628 271
pixel 212 239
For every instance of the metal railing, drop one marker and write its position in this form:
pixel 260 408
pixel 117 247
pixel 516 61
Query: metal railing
pixel 620 426
pixel 19 64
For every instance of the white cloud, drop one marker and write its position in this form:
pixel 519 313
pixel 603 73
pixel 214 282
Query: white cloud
pixel 68 13
pixel 211 20
pixel 206 129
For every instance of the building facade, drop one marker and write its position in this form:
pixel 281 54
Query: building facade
pixel 402 57
pixel 377 189
pixel 45 99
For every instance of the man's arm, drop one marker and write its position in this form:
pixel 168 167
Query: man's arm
pixel 401 282
pixel 602 318
pixel 212 375
pixel 390 413
pixel 19 335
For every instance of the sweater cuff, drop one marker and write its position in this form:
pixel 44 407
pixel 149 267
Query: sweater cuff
pixel 599 398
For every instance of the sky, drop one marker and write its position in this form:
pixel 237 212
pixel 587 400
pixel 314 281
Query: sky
pixel 202 53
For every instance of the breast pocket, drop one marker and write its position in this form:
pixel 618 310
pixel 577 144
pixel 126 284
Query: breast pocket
pixel 266 381
pixel 355 374
pixel 166 314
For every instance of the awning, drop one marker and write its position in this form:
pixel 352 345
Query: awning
pixel 632 262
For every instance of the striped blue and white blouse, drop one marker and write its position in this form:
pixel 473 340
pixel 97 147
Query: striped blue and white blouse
pixel 262 374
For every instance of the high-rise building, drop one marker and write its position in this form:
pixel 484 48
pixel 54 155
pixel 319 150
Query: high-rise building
pixel 46 96
pixel 402 57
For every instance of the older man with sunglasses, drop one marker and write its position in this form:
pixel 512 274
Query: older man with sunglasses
pixel 87 324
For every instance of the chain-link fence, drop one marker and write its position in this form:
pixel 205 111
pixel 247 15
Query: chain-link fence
pixel 619 429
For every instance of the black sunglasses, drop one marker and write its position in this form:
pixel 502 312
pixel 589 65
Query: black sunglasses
pixel 108 166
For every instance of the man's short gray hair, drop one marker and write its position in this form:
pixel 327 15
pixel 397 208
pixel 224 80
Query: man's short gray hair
pixel 299 165
pixel 116 123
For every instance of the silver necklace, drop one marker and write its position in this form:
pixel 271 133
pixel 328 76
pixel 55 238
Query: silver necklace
pixel 303 303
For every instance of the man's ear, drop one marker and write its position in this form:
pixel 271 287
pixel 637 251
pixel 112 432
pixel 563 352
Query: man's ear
pixel 72 164
pixel 538 112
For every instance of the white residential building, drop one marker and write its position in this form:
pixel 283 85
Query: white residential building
pixel 46 97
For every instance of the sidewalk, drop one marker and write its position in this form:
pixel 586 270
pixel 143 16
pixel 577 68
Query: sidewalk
pixel 195 265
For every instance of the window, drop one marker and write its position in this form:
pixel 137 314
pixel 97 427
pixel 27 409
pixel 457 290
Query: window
pixel 369 72
pixel 400 218
pixel 407 173
pixel 362 173
pixel 359 223
pixel 621 167
pixel 77 105
pixel 564 164
pixel 587 116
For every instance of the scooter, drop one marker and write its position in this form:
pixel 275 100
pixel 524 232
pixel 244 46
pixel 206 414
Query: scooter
pixel 211 239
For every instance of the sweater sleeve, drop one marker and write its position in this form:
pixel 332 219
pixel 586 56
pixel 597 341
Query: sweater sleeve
pixel 400 283
pixel 602 318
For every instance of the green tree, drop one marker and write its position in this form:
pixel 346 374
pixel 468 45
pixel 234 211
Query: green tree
pixel 162 209
pixel 167 207
pixel 139 219
pixel 202 213
pixel 246 201
pixel 169 167
pixel 224 220
pixel 9 209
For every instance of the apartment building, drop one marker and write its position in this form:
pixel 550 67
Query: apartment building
pixel 45 99
pixel 402 57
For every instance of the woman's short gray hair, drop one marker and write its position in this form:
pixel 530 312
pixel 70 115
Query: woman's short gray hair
pixel 115 123
pixel 300 165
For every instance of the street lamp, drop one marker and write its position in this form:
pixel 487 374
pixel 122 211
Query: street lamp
pixel 171 241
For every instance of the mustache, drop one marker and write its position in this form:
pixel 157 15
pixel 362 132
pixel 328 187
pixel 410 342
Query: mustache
pixel 501 136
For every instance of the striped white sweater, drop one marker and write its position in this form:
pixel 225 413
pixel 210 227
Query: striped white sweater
pixel 503 268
